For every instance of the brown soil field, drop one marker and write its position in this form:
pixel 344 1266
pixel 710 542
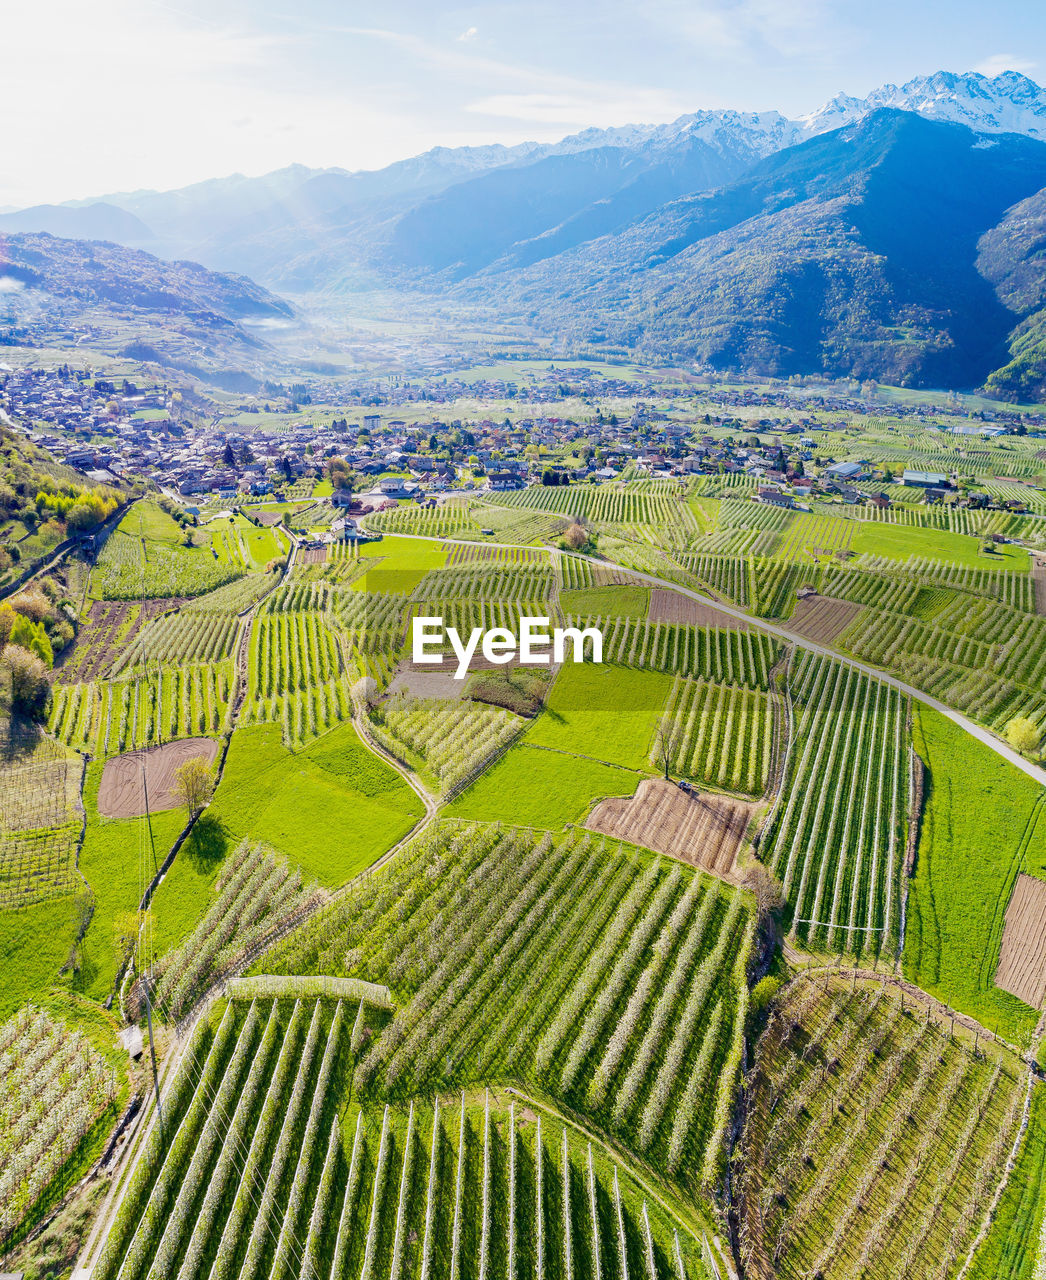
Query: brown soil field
pixel 313 555
pixel 670 606
pixel 433 683
pixel 267 517
pixel 1022 956
pixel 822 618
pixel 701 828
pixel 449 664
pixel 120 792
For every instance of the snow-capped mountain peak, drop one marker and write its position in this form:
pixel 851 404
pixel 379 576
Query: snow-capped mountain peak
pixel 1006 103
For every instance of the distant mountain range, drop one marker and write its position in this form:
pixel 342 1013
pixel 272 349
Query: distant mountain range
pixel 895 236
pixel 177 314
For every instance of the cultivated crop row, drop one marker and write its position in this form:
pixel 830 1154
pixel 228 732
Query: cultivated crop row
pixel 373 621
pixel 454 739
pixel 233 598
pixel 576 574
pixel 774 586
pixel 601 505
pixel 561 963
pixel 721 735
pixel 873 1139
pixel 744 513
pixel 261 1179
pixel 1012 588
pixel 880 590
pixel 181 638
pixel 38 864
pixel 256 895
pixel 813 536
pixel 54 1088
pixel 728 576
pixel 106 719
pixel 40 787
pixel 515 524
pixel 460 554
pixel 509 584
pixel 725 655
pixel 835 838
pixel 444 521
pixel 128 569
pixel 295 674
pixel 991 682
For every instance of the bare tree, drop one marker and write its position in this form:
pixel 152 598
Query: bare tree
pixel 666 739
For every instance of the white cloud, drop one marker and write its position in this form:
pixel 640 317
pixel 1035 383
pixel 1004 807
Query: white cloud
pixel 470 33
pixel 1000 62
pixel 741 29
pixel 600 107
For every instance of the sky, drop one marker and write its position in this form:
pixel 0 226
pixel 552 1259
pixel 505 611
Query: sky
pixel 119 95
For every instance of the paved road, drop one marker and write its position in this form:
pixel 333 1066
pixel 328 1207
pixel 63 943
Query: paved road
pixel 975 730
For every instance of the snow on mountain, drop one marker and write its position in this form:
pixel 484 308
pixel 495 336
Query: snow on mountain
pixel 1006 103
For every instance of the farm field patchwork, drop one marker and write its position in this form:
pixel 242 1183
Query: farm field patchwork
pixel 612 979
pixel 331 808
pixel 564 1028
pixel 704 829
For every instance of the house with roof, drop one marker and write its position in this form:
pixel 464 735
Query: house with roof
pixel 925 480
pixel 844 470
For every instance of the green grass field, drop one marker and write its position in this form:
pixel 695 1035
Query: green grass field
pixel 112 863
pixel 401 563
pixel 545 789
pixel 977 818
pixel 331 809
pixel 35 943
pixel 617 602
pixel 899 541
pixel 606 712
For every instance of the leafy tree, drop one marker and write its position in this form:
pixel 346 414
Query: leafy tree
pixel 194 786
pixel 576 536
pixel 1023 735
pixel 25 675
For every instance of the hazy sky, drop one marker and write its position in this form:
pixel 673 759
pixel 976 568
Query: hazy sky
pixel 111 95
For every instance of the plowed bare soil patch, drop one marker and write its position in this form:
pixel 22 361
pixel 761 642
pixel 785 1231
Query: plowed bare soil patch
pixel 821 618
pixel 314 555
pixel 1022 956
pixel 670 606
pixel 120 794
pixel 704 829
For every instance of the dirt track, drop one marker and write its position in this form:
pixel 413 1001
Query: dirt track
pixel 703 829
pixel 670 606
pixel 822 618
pixel 120 794
pixel 1022 956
